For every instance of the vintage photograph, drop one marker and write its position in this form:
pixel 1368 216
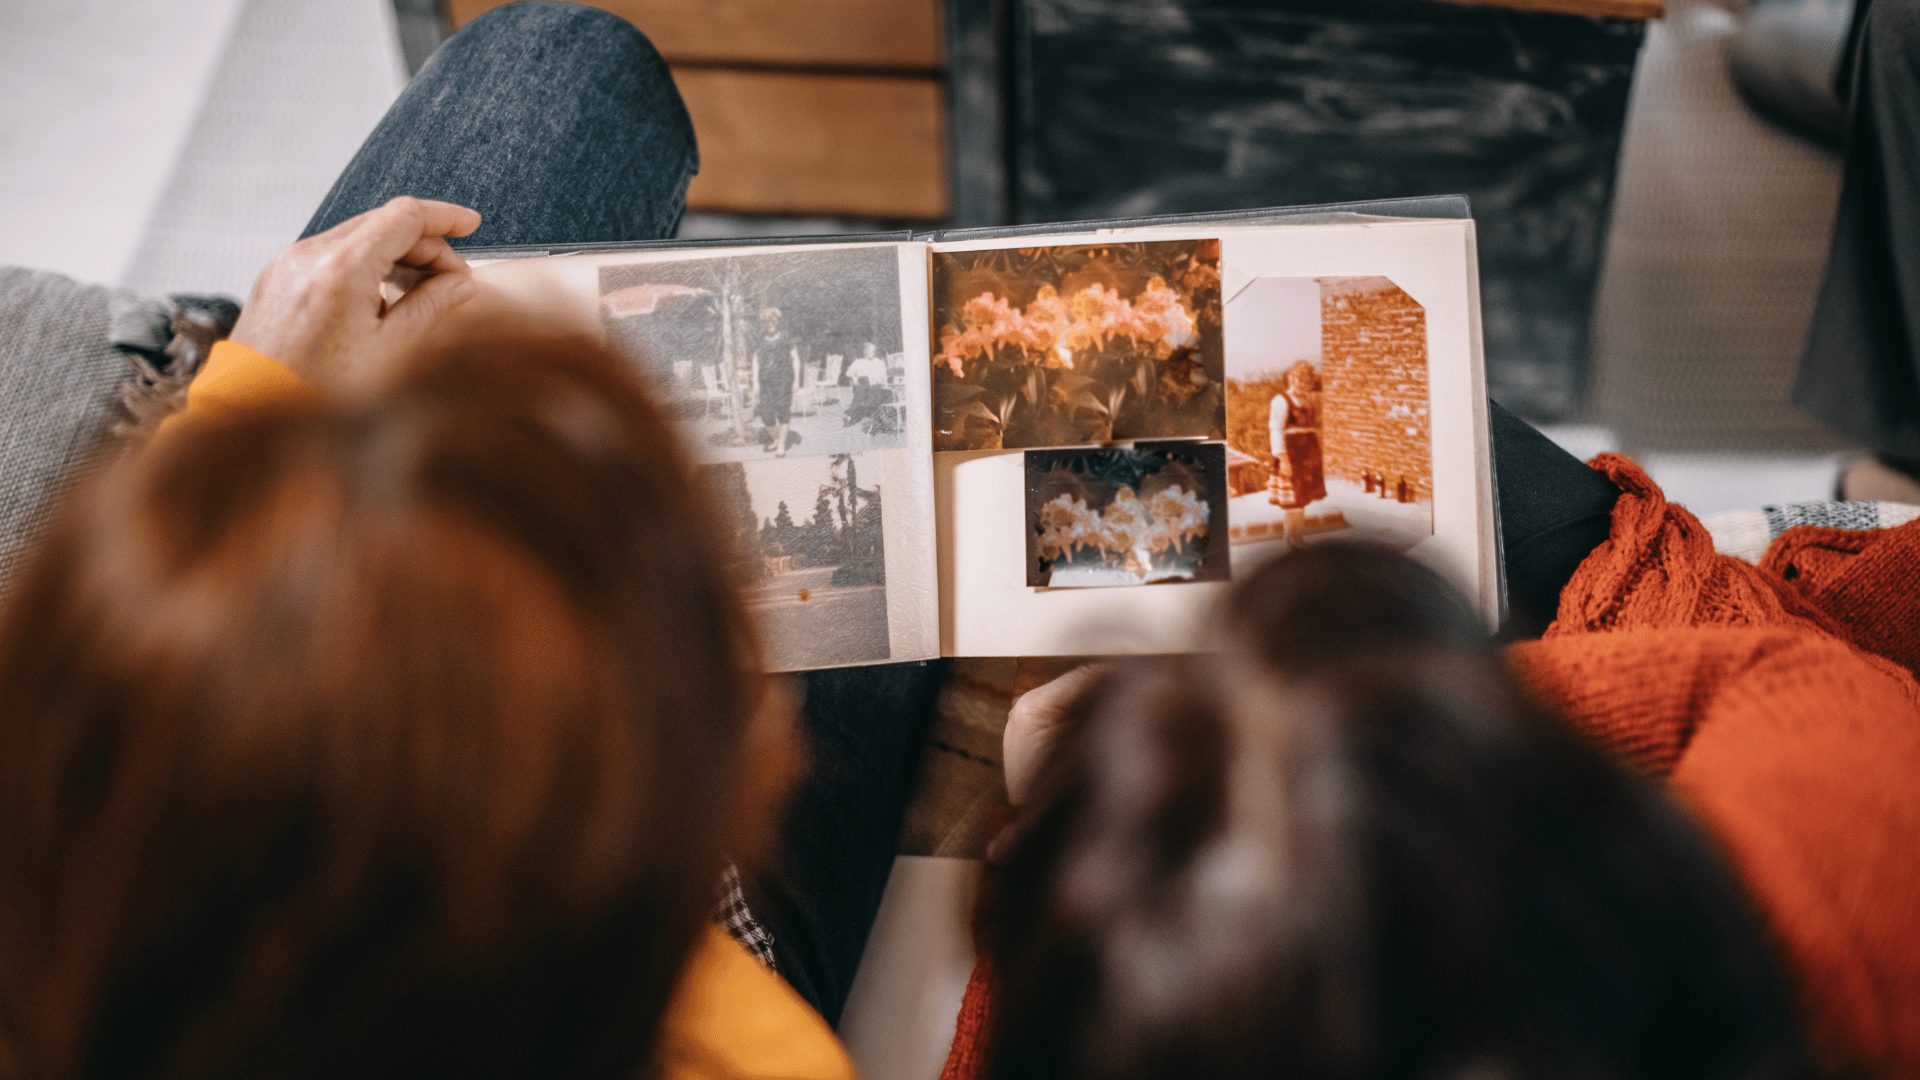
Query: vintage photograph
pixel 1126 515
pixel 769 355
pixel 1051 346
pixel 810 556
pixel 1327 411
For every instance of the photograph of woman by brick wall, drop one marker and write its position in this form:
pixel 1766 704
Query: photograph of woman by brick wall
pixel 1327 411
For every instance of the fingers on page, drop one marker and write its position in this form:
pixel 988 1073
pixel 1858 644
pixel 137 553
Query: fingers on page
pixel 427 217
pixel 429 300
pixel 433 253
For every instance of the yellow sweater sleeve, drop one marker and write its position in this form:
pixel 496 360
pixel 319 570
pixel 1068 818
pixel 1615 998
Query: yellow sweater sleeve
pixel 235 376
pixel 732 1019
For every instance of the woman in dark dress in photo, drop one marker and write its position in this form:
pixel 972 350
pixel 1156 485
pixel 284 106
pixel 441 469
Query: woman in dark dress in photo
pixel 776 365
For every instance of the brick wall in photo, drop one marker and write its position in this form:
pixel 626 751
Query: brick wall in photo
pixel 1373 369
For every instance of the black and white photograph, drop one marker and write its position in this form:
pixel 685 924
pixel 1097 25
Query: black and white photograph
pixel 765 356
pixel 812 561
pixel 1126 515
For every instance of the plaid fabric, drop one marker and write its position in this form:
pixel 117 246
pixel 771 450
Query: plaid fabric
pixel 1745 534
pixel 737 918
pixel 1839 515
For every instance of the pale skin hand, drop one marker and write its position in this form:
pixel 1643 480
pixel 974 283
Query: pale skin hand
pixel 340 307
pixel 1035 726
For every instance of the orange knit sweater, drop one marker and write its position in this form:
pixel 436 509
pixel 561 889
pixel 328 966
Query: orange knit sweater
pixel 1780 702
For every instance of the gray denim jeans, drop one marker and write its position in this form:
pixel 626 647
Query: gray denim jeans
pixel 559 123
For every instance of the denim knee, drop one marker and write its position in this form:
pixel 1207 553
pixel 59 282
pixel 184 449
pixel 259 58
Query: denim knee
pixel 599 36
pixel 575 39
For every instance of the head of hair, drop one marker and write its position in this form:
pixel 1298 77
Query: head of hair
pixel 1302 378
pixel 1348 845
pixel 379 739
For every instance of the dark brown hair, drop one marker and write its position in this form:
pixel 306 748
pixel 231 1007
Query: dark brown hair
pixel 1347 845
pixel 380 740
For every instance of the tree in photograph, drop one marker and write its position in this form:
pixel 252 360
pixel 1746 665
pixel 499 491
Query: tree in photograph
pixel 820 540
pixel 863 555
pixel 780 536
pixel 729 483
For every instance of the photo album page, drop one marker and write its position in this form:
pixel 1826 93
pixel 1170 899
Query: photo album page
pixel 1125 420
pixel 1069 444
pixel 797 376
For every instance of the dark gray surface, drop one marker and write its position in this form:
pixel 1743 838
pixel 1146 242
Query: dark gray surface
pixel 421 29
pixel 1124 108
pixel 1786 58
pixel 979 186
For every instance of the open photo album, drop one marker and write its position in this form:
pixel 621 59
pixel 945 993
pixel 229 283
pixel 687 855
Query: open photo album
pixel 1063 439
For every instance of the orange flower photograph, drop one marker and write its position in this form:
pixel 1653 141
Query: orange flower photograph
pixel 1074 344
pixel 1126 515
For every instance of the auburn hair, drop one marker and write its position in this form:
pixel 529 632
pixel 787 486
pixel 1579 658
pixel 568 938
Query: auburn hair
pixel 1348 845
pixel 380 739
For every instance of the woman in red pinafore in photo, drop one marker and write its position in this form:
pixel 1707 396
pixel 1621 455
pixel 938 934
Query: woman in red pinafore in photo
pixel 1293 432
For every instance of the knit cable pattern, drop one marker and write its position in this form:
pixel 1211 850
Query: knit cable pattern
pixel 1657 569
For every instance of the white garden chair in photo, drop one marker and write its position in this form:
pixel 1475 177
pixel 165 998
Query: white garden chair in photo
pixel 815 394
pixel 897 408
pixel 715 385
pixel 812 377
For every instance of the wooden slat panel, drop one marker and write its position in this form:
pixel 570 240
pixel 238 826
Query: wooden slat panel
pixel 1624 9
pixel 817 144
pixel 899 34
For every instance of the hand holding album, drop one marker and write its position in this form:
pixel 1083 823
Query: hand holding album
pixel 339 307
pixel 1036 724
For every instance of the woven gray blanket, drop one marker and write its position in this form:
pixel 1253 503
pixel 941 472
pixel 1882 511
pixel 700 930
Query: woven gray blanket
pixel 77 363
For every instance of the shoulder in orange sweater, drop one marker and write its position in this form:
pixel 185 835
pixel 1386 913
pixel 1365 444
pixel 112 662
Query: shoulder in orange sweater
pixel 1780 702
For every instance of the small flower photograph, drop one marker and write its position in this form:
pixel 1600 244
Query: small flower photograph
pixel 1126 515
pixel 1077 343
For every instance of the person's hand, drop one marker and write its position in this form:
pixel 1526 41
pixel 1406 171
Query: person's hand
pixel 339 307
pixel 1035 726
